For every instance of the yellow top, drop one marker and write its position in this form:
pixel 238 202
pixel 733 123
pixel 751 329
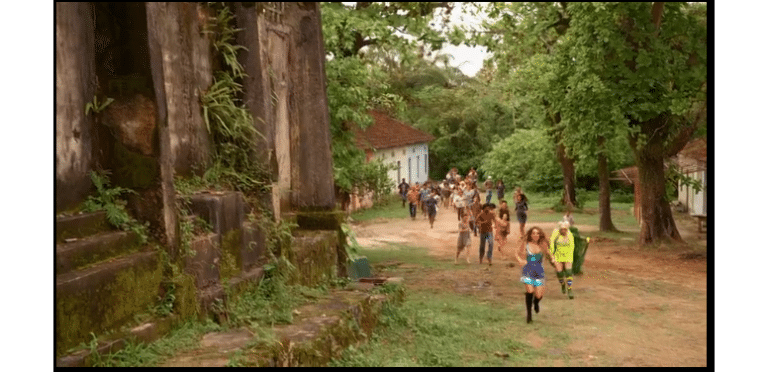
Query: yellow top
pixel 562 241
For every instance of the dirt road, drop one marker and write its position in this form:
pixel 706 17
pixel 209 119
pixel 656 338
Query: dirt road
pixel 632 306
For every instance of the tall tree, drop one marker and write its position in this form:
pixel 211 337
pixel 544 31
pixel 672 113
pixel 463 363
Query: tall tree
pixel 519 34
pixel 356 37
pixel 645 65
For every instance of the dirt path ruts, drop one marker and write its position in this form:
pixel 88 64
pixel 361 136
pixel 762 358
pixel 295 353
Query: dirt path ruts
pixel 633 307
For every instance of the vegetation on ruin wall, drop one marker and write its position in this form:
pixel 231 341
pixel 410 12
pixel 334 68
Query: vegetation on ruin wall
pixel 74 325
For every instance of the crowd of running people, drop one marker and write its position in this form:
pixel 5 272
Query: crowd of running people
pixel 481 220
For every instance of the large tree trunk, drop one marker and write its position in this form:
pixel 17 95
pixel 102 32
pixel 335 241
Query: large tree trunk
pixel 605 188
pixel 657 223
pixel 569 177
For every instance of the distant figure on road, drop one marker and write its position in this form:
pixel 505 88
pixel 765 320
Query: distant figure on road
pixel 500 190
pixel 521 208
pixel 502 230
pixel 413 200
pixel 488 189
pixel 430 203
pixel 486 221
pixel 403 187
pixel 465 239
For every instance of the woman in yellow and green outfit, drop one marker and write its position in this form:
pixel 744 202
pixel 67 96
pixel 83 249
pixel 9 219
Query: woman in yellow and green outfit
pixel 561 245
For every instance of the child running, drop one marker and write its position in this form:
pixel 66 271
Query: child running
pixel 502 230
pixel 465 240
pixel 535 246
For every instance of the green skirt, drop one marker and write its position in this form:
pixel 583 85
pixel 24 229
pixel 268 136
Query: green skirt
pixel 579 250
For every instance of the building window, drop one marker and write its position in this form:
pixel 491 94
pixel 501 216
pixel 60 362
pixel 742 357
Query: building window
pixel 403 151
pixel 409 170
pixel 398 170
pixel 417 166
pixel 393 154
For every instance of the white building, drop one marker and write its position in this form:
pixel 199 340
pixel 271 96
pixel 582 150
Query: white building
pixel 397 143
pixel 692 161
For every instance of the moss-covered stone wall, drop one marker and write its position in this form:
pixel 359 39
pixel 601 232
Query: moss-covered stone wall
pixel 82 307
pixel 314 255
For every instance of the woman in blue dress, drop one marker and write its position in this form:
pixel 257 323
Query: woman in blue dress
pixel 535 246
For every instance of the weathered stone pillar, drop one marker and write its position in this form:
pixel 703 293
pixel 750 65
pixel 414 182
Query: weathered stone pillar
pixel 312 177
pixel 75 87
pixel 158 35
pixel 186 58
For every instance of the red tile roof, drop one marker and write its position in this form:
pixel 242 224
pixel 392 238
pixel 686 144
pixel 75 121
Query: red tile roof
pixel 693 157
pixel 387 133
pixel 696 150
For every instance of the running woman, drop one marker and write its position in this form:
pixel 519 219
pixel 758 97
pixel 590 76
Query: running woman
pixel 561 245
pixel 535 246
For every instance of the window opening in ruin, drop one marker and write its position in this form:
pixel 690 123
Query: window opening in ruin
pixel 275 12
pixel 121 49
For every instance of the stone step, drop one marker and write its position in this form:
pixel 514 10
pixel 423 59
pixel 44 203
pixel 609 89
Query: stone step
pixel 224 211
pixel 104 297
pixel 93 249
pixel 158 327
pixel 320 331
pixel 81 225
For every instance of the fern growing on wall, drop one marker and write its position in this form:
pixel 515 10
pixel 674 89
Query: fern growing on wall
pixel 228 121
pixel 108 199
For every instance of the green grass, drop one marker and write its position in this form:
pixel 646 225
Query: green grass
pixel 447 329
pixel 392 208
pixel 410 255
pixel 136 354
pixel 444 330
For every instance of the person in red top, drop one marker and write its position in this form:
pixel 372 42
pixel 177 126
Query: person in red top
pixel 486 221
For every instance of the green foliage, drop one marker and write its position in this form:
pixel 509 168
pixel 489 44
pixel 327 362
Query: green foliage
pixel 363 41
pixel 350 245
pixel 97 106
pixel 526 158
pixel 108 199
pixel 224 36
pixel 391 207
pixel 227 119
pixel 675 179
pixel 353 89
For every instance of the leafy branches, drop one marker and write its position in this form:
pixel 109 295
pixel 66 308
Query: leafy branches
pixel 97 106
pixel 226 118
pixel 108 199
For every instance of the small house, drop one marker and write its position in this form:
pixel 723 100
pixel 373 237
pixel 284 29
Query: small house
pixel 692 162
pixel 395 142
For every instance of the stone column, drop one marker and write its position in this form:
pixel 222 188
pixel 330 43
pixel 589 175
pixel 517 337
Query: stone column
pixel 312 177
pixel 158 37
pixel 75 87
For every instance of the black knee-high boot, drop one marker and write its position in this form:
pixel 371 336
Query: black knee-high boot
pixel 536 304
pixel 528 300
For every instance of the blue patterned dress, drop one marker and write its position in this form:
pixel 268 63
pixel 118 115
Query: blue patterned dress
pixel 533 271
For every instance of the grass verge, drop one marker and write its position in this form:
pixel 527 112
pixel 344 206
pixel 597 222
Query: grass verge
pixel 448 329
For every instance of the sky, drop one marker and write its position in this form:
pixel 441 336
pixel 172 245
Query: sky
pixel 468 59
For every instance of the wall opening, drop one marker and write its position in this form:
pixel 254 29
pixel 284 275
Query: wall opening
pixel 122 49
